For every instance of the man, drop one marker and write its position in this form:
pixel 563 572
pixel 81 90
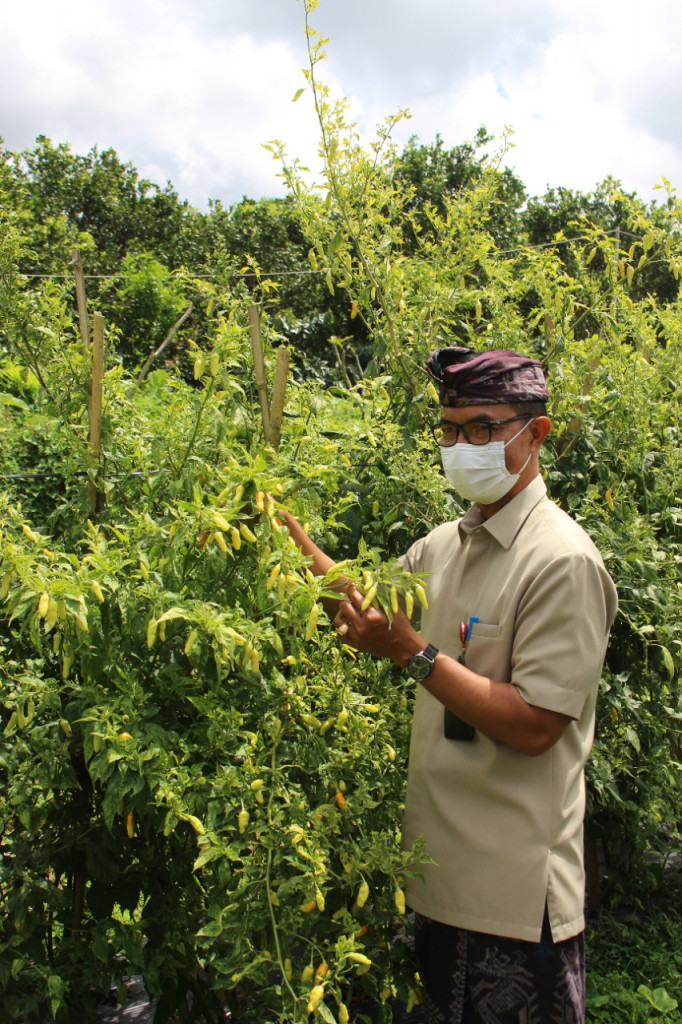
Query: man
pixel 508 658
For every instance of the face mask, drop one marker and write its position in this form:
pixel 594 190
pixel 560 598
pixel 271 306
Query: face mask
pixel 479 472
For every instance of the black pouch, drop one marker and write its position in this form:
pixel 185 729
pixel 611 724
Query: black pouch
pixel 453 727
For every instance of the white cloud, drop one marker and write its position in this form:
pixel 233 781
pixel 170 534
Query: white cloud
pixel 162 95
pixel 190 91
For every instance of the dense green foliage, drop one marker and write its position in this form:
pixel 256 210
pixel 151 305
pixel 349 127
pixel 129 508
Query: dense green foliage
pixel 199 783
pixel 635 962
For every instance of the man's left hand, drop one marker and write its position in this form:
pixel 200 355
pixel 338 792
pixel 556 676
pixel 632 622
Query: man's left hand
pixel 370 630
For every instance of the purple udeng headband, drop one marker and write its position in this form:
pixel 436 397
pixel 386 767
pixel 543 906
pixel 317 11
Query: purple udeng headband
pixel 494 377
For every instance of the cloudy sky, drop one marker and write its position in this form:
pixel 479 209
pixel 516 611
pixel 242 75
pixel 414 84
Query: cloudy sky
pixel 189 90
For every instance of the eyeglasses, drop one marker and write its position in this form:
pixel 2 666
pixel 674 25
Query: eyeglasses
pixel 447 434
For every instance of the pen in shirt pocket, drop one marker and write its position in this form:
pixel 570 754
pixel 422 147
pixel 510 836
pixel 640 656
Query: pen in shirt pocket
pixel 465 636
pixel 454 728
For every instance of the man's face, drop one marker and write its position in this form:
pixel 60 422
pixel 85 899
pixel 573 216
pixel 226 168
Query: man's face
pixel 521 445
pixel 475 416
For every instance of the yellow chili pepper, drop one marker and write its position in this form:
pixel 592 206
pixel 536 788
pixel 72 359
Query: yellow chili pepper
pixel 152 627
pixel 52 613
pixel 272 578
pixel 67 662
pixel 316 996
pixel 311 625
pixel 394 600
pixel 363 894
pixel 360 958
pixel 221 522
pixel 248 654
pixel 247 534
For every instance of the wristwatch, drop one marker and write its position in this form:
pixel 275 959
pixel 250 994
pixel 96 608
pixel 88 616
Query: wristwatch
pixel 419 666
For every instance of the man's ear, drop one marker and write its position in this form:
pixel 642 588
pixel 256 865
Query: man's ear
pixel 540 428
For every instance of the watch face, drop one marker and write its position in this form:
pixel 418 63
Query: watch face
pixel 419 667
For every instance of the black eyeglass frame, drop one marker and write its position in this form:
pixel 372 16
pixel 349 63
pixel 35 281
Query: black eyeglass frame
pixel 462 428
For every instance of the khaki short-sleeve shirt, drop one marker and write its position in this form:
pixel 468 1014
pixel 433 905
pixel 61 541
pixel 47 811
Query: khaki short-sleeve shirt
pixel 505 830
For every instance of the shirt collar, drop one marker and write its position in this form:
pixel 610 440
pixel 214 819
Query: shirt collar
pixel 506 524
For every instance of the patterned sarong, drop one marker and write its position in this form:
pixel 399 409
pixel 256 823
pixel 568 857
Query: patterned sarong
pixel 472 978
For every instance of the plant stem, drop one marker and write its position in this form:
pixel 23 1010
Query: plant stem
pixel 207 394
pixel 347 222
pixel 268 890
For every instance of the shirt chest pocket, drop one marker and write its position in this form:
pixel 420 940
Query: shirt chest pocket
pixel 489 652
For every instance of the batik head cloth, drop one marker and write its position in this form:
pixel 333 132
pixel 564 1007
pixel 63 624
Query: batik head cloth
pixel 495 377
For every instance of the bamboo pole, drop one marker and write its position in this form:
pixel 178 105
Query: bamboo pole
pixel 259 368
pixel 95 405
pixel 96 385
pixel 278 390
pixel 81 304
pixel 614 301
pixel 549 331
pixel 77 903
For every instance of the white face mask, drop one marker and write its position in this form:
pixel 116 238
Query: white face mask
pixel 479 472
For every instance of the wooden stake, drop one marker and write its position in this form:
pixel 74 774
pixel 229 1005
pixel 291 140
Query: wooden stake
pixel 77 904
pixel 82 306
pixel 259 367
pixel 96 385
pixel 549 331
pixel 278 389
pixel 95 406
